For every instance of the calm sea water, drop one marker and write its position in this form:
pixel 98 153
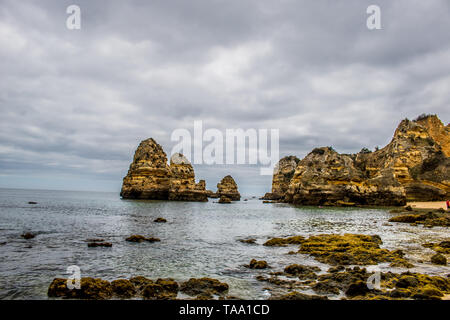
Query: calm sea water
pixel 199 239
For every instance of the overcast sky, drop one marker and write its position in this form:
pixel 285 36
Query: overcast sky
pixel 76 103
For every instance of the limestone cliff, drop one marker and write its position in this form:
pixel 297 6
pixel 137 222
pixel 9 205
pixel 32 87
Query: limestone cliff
pixel 414 166
pixel 182 181
pixel 283 173
pixel 325 177
pixel 228 188
pixel 150 177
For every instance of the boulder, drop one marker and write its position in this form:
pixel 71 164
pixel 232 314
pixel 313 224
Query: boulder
pixel 439 259
pixel 123 288
pixel 195 286
pixel 28 235
pixel 257 264
pixel 90 288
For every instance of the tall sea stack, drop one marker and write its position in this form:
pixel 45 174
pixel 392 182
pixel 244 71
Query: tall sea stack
pixel 150 177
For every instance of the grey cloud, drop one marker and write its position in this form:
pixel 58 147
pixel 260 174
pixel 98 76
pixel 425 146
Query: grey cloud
pixel 77 103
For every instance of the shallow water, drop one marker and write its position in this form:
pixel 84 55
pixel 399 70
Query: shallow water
pixel 199 239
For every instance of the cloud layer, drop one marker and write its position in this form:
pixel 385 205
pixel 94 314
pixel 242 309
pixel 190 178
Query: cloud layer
pixel 76 103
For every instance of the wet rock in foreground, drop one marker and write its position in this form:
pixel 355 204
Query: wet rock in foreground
pixel 281 242
pixel 90 288
pixel 428 219
pixel 353 283
pixel 301 271
pixel 351 249
pixel 298 296
pixel 195 286
pixel 123 288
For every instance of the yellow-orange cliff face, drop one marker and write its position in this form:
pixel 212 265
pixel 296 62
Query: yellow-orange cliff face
pixel 413 166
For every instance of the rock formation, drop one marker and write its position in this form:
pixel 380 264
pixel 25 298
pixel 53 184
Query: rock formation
pixel 182 181
pixel 150 177
pixel 414 166
pixel 228 188
pixel 283 173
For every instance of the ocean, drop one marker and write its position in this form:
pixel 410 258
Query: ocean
pixel 199 239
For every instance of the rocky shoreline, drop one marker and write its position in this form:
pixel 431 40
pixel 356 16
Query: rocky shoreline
pixel 347 257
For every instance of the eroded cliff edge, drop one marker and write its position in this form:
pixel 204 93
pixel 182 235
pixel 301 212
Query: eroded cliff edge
pixel 150 177
pixel 414 166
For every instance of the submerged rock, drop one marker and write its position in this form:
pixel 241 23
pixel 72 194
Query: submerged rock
pixel 429 219
pixel 227 187
pixel 90 288
pixel 195 286
pixel 350 249
pixel 257 264
pixel 140 238
pixel 99 244
pixel 160 220
pixel 28 235
pixel 439 259
pixel 248 241
pixel 442 247
pixel 281 242
pixel 301 271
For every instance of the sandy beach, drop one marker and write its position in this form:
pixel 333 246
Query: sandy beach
pixel 428 205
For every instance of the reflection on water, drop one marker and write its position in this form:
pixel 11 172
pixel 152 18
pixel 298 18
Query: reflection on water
pixel 199 239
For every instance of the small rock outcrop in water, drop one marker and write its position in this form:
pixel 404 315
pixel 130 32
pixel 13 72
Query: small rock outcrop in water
pixel 28 235
pixel 224 199
pixel 283 173
pixel 414 166
pixel 228 188
pixel 95 244
pixel 433 218
pixel 150 177
pixel 140 238
pixel 257 264
pixel 439 259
